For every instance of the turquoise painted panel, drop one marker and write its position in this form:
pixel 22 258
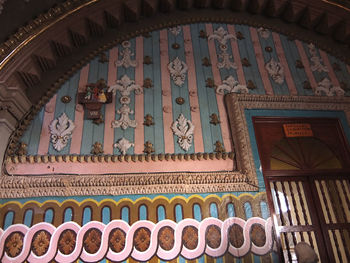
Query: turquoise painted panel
pixel 265 213
pixel 219 260
pixel 197 212
pixel 28 217
pixel 214 210
pixel 201 259
pixel 224 72
pixel 86 215
pixel 278 89
pixel 68 215
pixel 319 76
pixel 94 132
pixel 31 136
pixel 69 88
pixel 143 212
pixel 49 216
pixel 8 220
pixel 248 210
pixel 125 214
pixel 342 73
pixel 298 74
pixel 179 91
pixel 178 213
pixel 246 50
pixel 230 210
pixel 128 133
pixel 106 215
pixel 161 213
pixel 206 96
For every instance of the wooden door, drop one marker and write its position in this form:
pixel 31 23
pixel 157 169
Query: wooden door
pixel 305 164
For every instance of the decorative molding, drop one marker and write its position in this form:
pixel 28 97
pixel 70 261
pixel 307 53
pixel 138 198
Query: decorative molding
pixel 222 36
pixel 326 87
pixel 123 240
pixel 237 103
pixel 183 129
pixel 126 54
pixel 62 185
pixel 175 30
pixel 125 86
pixel 178 70
pixel 275 70
pixel 231 85
pixel 316 61
pixel 61 131
pixel 263 32
pixel 123 145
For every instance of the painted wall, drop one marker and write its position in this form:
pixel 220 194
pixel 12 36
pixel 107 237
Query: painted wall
pixel 190 68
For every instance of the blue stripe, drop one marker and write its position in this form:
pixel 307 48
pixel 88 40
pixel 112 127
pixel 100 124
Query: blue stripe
pixel 179 91
pixel 35 132
pixel 8 220
pixel 343 74
pixel 125 214
pixel 319 76
pixel 278 89
pixel 265 213
pixel 129 133
pixel 246 50
pixel 106 215
pixel 224 72
pixel 161 213
pixel 68 215
pixel 206 96
pixel 49 215
pixel 197 212
pixel 178 213
pixel 28 218
pixel 298 74
pixel 158 105
pixel 230 210
pixel 86 215
pixel 143 212
pixel 214 210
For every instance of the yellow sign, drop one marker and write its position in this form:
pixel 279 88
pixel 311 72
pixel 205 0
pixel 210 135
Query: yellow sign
pixel 297 130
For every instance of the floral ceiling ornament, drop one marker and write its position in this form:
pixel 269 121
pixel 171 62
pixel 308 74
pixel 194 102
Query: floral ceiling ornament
pixel 224 58
pixel 232 86
pixel 61 131
pixel 316 61
pixel 126 54
pixel 325 86
pixel 178 70
pixel 264 33
pixel 183 129
pixel 125 86
pixel 175 30
pixel 275 70
pixel 123 145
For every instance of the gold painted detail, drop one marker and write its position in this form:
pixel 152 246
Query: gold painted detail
pixel 148 120
pixel 152 205
pixel 214 119
pixel 97 148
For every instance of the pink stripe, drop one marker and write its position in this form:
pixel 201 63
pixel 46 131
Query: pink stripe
pixel 79 114
pixel 49 115
pixel 305 61
pixel 283 60
pixel 192 84
pixel 120 167
pixel 166 90
pixel 260 60
pixel 139 108
pixel 219 98
pixel 236 56
pixel 108 140
pixel 331 73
